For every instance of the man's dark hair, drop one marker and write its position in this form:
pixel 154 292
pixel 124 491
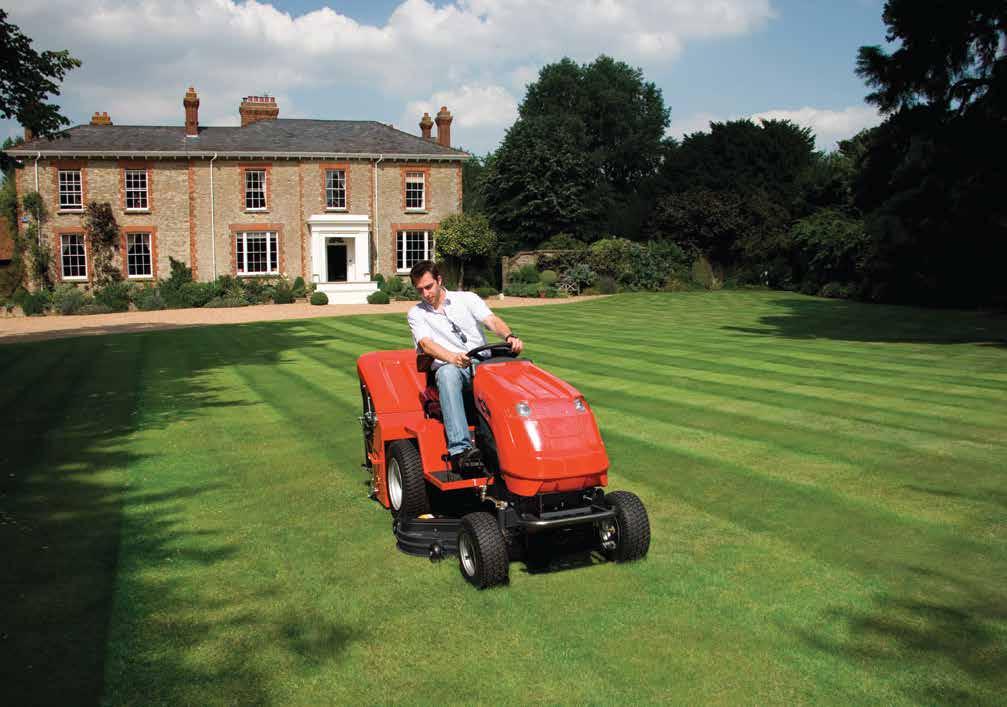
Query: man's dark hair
pixel 422 268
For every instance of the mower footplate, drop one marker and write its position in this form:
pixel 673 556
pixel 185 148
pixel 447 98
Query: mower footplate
pixel 563 519
pixel 427 537
pixel 449 481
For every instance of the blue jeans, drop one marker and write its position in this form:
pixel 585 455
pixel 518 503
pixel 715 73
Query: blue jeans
pixel 452 384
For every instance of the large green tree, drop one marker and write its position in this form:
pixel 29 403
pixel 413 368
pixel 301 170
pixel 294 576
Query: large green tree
pixel 28 79
pixel 931 179
pixel 588 140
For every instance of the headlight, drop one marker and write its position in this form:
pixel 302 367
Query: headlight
pixel 579 406
pixel 523 409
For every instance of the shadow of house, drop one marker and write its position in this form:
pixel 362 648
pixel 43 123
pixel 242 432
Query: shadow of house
pixel 69 412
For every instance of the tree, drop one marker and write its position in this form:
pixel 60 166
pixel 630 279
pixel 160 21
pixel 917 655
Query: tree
pixel 587 140
pixel 624 117
pixel 542 182
pixel 28 78
pixel 464 237
pixel 929 181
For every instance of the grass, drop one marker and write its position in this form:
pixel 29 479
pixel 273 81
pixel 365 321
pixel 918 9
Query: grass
pixel 183 517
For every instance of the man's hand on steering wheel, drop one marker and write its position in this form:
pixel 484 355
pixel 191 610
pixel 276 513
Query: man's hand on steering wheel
pixel 516 345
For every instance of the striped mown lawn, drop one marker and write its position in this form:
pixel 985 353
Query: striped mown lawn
pixel 184 521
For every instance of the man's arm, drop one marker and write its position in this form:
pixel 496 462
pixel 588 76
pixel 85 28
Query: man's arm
pixel 499 327
pixel 429 346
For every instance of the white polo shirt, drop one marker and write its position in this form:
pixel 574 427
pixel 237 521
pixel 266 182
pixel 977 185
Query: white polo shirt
pixel 462 315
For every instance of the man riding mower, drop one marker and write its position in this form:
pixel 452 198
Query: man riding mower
pixel 537 466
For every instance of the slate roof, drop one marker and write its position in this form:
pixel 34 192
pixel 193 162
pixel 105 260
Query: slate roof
pixel 285 136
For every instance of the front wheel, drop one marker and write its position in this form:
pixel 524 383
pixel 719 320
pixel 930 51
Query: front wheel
pixel 482 551
pixel 627 536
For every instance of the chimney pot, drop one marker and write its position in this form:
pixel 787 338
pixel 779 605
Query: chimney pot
pixel 426 123
pixel 444 119
pixel 256 108
pixel 100 119
pixel 191 105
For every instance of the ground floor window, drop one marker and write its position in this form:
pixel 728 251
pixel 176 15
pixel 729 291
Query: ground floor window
pixel 411 248
pixel 257 253
pixel 73 256
pixel 139 262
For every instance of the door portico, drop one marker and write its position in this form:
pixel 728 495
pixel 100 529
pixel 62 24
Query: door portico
pixel 340 257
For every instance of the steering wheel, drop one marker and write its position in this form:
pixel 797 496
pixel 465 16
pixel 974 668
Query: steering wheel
pixel 496 350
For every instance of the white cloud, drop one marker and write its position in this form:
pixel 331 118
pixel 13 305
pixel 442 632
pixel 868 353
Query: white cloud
pixel 829 126
pixel 140 56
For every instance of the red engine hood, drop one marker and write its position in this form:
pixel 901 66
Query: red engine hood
pixel 556 446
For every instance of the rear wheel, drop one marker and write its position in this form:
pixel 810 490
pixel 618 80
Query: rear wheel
pixel 482 551
pixel 407 488
pixel 627 536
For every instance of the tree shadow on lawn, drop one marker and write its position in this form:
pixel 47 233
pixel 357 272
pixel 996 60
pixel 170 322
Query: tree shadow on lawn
pixel 65 450
pixel 950 631
pixel 815 318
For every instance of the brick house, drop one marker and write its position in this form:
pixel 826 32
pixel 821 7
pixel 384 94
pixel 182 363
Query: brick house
pixel 331 200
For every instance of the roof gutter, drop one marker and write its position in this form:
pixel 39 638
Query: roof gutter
pixel 197 154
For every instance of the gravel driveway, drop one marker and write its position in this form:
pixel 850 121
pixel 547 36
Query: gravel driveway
pixel 17 329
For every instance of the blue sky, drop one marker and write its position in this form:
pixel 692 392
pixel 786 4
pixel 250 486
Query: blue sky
pixel 391 60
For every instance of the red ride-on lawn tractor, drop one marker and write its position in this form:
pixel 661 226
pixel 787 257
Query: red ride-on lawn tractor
pixel 543 473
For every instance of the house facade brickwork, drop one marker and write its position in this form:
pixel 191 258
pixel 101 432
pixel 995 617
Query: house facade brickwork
pixel 210 201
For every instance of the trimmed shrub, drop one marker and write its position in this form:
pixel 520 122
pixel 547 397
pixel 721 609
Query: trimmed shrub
pixel 225 301
pixel 68 299
pixel 319 298
pixel 95 308
pixel 115 296
pixel 485 292
pixel 171 286
pixel 149 299
pixel 378 297
pixel 299 289
pixel 380 279
pixel 548 277
pixel 34 303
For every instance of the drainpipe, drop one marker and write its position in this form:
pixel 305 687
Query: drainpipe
pixel 38 223
pixel 377 249
pixel 213 229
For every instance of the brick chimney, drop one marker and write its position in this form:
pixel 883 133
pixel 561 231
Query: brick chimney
pixel 426 123
pixel 28 135
pixel 191 105
pixel 256 108
pixel 444 127
pixel 100 119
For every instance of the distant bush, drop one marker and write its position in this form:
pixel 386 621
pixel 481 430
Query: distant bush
pixel 378 297
pixel 394 286
pixel 114 295
pixel 485 292
pixel 527 273
pixel 562 241
pixel 283 292
pixel 408 293
pixel 578 277
pixel 257 291
pixel 837 290
pixel 171 286
pixel 548 277
pixel 225 301
pixel 607 285
pixel 299 289
pixel 319 298
pixel 95 308
pixel 522 289
pixel 68 299
pixel 148 299
pixel 33 303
